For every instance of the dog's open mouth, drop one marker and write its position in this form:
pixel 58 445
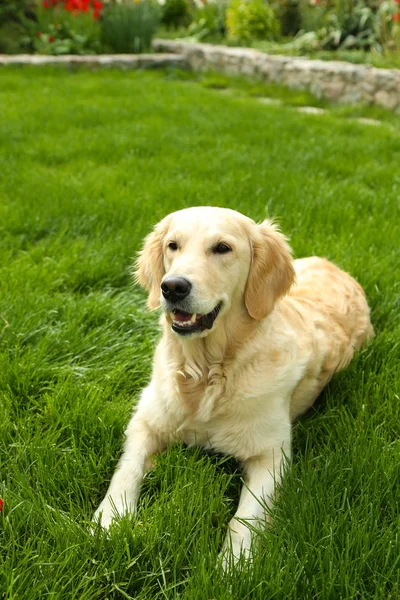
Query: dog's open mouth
pixel 185 323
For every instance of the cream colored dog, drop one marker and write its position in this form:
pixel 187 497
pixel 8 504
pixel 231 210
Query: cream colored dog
pixel 250 338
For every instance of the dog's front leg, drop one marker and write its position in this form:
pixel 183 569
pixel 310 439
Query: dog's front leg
pixel 123 492
pixel 262 473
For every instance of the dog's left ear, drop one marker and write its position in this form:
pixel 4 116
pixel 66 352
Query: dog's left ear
pixel 149 268
pixel 271 272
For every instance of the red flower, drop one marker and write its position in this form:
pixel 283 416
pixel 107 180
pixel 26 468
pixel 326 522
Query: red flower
pixel 97 8
pixel 46 4
pixel 1 504
pixel 77 6
pixel 51 38
pixel 38 34
pixel 396 17
pixel 72 5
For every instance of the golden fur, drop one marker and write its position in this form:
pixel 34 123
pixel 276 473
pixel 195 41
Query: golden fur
pixel 285 327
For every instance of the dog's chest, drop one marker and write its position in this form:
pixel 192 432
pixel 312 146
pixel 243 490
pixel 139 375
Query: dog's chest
pixel 228 412
pixel 233 407
pixel 201 398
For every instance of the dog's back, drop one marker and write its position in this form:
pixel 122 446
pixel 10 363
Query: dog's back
pixel 336 311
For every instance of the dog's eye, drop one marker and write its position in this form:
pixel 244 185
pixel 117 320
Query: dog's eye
pixel 221 248
pixel 173 246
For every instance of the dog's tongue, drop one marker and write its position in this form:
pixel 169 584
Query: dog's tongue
pixel 182 316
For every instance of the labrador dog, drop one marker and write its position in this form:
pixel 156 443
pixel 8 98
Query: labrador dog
pixel 250 338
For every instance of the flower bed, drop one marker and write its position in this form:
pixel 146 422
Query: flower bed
pixel 300 25
pixel 77 26
pixel 295 27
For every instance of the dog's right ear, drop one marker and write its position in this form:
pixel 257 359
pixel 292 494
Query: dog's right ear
pixel 149 267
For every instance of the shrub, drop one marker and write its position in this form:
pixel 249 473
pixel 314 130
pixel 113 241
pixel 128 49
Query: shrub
pixel 289 16
pixel 16 10
pixel 130 28
pixel 176 13
pixel 15 21
pixel 313 14
pixel 208 20
pixel 350 25
pixel 388 26
pixel 342 23
pixel 67 27
pixel 251 19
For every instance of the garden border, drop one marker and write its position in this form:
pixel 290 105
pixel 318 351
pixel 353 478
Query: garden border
pixel 127 61
pixel 337 81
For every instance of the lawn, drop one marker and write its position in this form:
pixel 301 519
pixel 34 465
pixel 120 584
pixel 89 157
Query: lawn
pixel 88 163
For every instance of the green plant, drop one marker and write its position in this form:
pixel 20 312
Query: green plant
pixel 343 24
pixel 251 19
pixel 60 30
pixel 388 27
pixel 313 14
pixel 208 20
pixel 288 14
pixel 15 20
pixel 15 10
pixel 176 13
pixel 350 25
pixel 130 27
pixel 63 39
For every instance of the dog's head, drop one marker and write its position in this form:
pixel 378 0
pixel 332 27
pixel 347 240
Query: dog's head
pixel 200 263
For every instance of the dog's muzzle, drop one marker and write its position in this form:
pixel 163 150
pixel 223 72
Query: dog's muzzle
pixel 186 323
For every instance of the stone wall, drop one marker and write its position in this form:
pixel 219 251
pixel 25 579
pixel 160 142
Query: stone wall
pixel 124 61
pixel 335 80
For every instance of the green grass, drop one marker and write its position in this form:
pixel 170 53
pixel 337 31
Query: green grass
pixel 254 87
pixel 88 163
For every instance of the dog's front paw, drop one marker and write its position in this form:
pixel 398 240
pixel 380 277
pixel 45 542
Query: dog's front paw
pixel 105 515
pixel 109 510
pixel 236 546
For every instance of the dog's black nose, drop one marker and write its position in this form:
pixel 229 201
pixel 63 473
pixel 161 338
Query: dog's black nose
pixel 175 288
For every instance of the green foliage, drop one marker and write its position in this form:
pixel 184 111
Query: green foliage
pixel 209 20
pixel 176 13
pixel 288 14
pixel 313 14
pixel 388 28
pixel 251 19
pixel 58 32
pixel 343 24
pixel 15 21
pixel 129 28
pixel 350 25
pixel 14 10
pixel 14 38
pixel 63 39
